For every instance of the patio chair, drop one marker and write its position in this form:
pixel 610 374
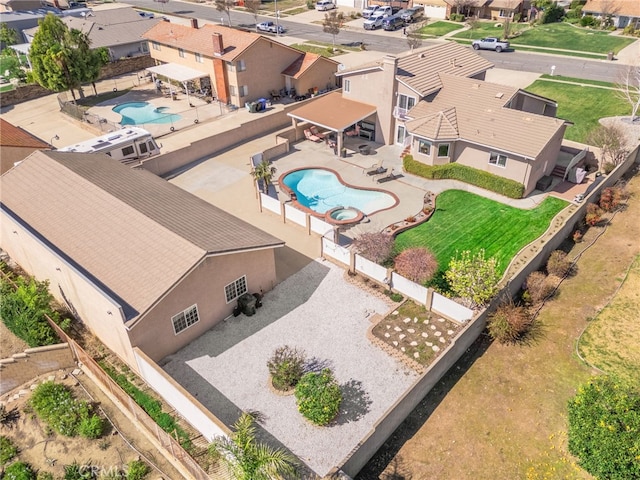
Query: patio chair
pixel 376 169
pixel 388 178
pixel 354 132
pixel 311 136
pixel 314 131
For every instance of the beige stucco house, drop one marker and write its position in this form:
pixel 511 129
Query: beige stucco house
pixel 238 66
pixel 622 12
pixel 488 9
pixel 140 261
pixel 16 144
pixel 501 130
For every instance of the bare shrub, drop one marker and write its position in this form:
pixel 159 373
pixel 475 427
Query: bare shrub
pixel 610 198
pixel 286 367
pixel 539 287
pixel 594 214
pixel 375 246
pixel 612 142
pixel 558 264
pixel 509 323
pixel 416 264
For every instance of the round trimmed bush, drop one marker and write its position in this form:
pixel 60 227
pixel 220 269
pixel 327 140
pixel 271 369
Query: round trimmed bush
pixel 318 397
pixel 416 264
pixel 558 264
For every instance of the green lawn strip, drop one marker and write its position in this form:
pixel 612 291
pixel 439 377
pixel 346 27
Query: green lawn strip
pixel 488 29
pixel 150 405
pixel 565 53
pixel 7 87
pixel 313 49
pixel 581 81
pixel 465 221
pixel 438 29
pixel 617 324
pixel 582 105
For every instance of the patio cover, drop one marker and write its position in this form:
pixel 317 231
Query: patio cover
pixel 333 111
pixel 177 72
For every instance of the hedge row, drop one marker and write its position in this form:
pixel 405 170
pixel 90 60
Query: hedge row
pixel 150 405
pixel 455 171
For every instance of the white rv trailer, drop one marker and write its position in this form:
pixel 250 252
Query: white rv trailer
pixel 131 143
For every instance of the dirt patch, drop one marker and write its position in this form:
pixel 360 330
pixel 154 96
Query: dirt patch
pixel 9 343
pixel 500 412
pixel 48 451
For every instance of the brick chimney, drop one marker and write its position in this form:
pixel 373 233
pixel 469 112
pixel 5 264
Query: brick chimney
pixel 218 47
pixel 194 23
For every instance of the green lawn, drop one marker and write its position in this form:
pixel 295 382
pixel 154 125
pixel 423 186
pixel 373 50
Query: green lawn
pixel 581 81
pixel 437 29
pixel 555 35
pixel 583 106
pixel 465 221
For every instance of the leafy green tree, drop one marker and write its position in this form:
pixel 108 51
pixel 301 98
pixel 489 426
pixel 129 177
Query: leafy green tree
pixel 8 36
pixel 604 428
pixel 332 24
pixel 62 58
pixel 248 459
pixel 11 63
pixel 264 171
pixel 473 278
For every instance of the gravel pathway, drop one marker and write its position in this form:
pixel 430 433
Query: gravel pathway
pixel 318 311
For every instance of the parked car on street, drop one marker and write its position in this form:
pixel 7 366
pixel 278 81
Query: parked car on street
pixel 146 14
pixel 270 27
pixel 490 43
pixel 412 14
pixel 323 5
pixel 392 23
pixel 374 21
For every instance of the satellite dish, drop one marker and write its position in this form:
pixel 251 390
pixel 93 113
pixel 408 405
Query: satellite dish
pixel 341 67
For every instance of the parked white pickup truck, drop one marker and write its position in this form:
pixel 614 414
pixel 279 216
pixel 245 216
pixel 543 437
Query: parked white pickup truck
pixel 374 21
pixel 490 43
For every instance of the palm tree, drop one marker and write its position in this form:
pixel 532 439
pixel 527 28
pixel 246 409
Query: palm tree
pixel 264 171
pixel 248 459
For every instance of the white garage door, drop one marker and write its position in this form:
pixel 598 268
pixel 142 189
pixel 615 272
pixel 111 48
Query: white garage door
pixel 435 12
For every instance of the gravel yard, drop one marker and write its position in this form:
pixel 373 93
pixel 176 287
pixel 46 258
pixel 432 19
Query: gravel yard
pixel 316 310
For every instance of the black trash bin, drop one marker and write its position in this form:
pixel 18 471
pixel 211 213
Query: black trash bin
pixel 247 304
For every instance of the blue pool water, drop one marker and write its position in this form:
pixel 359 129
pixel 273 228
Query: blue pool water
pixel 320 190
pixel 137 113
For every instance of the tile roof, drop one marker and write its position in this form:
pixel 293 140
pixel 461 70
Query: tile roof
pixel 199 40
pixel 12 136
pixel 437 126
pixel 420 70
pixel 131 231
pixel 508 4
pixel 304 63
pixel 629 8
pixel 482 118
pixel 106 28
pixel 471 3
pixel 333 111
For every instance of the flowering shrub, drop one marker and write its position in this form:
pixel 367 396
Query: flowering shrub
pixel 55 405
pixel 594 215
pixel 318 397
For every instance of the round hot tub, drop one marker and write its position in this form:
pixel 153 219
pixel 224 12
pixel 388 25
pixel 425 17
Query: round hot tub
pixel 343 215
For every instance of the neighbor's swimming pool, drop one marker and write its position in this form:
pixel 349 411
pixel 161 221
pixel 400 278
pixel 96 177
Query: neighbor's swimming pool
pixel 321 189
pixel 138 113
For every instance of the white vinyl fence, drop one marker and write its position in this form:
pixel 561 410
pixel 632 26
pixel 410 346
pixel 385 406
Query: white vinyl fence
pixel 371 269
pixel 336 252
pixel 409 288
pixel 295 215
pixel 449 308
pixel 320 226
pixel 270 203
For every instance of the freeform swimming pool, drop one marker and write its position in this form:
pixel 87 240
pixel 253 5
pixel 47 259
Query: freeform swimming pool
pixel 321 189
pixel 138 113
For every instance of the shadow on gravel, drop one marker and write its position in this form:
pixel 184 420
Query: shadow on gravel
pixel 355 402
pixel 387 455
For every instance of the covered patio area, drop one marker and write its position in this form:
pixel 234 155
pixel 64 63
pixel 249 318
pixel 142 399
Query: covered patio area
pixel 341 116
pixel 186 77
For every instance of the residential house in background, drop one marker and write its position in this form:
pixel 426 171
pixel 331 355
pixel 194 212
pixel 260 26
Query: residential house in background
pixel 238 66
pixel 20 5
pixel 488 9
pixel 16 144
pixel 119 30
pixel 490 127
pixel 622 12
pixel 140 261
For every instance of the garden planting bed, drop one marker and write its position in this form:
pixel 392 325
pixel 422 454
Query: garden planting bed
pixel 414 335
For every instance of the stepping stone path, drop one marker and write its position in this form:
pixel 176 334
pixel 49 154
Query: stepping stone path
pixel 437 334
pixel 436 348
pixel 411 330
pixel 424 334
pixel 407 320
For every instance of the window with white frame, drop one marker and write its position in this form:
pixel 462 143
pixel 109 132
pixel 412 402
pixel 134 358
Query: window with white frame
pixel 185 319
pixel 231 67
pixel 199 58
pixel 241 66
pixel 504 13
pixel 346 85
pixel 497 159
pixel 406 102
pixel 155 45
pixel 443 150
pixel 424 147
pixel 181 52
pixel 235 289
pixel 244 90
pixel 232 90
